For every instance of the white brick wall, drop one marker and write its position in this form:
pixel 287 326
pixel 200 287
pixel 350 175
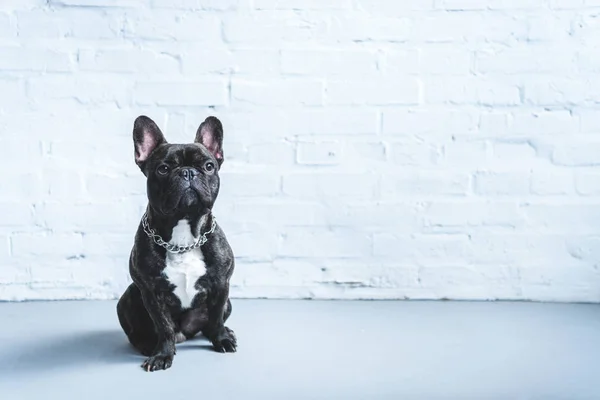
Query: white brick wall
pixel 375 148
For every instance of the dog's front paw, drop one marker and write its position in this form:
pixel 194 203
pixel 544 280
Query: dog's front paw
pixel 158 362
pixel 225 341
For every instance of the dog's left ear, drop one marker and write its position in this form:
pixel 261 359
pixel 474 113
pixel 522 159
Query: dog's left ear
pixel 146 138
pixel 210 134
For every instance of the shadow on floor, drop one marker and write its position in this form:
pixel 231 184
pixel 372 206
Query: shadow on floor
pixel 72 351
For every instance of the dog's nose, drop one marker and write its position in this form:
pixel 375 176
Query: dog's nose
pixel 188 173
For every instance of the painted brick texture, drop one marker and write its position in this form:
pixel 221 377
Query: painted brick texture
pixel 374 148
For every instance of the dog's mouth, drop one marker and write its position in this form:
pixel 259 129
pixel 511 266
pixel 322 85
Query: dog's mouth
pixel 189 198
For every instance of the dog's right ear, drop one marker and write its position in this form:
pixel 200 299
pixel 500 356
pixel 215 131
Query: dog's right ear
pixel 146 138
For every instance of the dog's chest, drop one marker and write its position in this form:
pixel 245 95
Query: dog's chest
pixel 184 269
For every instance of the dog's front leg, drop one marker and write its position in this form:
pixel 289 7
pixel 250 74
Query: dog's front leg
pixel 162 356
pixel 223 339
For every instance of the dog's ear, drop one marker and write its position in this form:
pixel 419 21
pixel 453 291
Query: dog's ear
pixel 210 134
pixel 146 138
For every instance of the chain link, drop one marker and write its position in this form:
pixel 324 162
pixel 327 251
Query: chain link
pixel 173 248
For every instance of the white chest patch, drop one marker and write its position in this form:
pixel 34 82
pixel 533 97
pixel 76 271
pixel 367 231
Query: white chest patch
pixel 184 269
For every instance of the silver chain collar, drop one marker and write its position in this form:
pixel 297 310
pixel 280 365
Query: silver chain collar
pixel 173 248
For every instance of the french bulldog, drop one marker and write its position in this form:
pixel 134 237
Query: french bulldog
pixel 181 262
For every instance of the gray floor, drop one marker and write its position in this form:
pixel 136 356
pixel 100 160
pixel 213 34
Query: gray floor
pixel 313 350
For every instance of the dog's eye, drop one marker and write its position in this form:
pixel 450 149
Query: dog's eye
pixel 162 170
pixel 209 167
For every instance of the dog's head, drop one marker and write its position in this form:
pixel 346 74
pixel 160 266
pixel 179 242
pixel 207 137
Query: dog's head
pixel 181 178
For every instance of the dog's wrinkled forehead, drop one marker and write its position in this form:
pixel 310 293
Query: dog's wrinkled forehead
pixel 183 154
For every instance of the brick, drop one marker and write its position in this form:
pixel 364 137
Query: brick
pixel 243 127
pixel 93 90
pixel 278 154
pixel 270 29
pixel 585 28
pixel 19 213
pixel 63 183
pixel 249 184
pixel 91 24
pixel 100 3
pixel 32 59
pixel 327 186
pixel 336 122
pixel 429 121
pixel 516 4
pixel 566 4
pixel 337 243
pixel 564 218
pixel 556 91
pixel 414 154
pixel 128 60
pixel 373 92
pixel 261 62
pixel 14 96
pixel 456 216
pixel 63 245
pixel 583 248
pixel 576 154
pixel 549 28
pixel 13 5
pixel 587 183
pixel 547 122
pixel 104 216
pixel 12 274
pixel 5 250
pixel 8 28
pixel 469 91
pixel 302 4
pixel 458 27
pixel 80 23
pixel 209 93
pixel 560 284
pixel 532 59
pixel 395 8
pixel 465 283
pixel 588 61
pixel 463 5
pixel 198 61
pixel 502 183
pixel 590 120
pixel 247 247
pixel 207 5
pixel 22 185
pixel 114 186
pixel 328 62
pixel 377 29
pixel 416 183
pixel 108 245
pixel 465 154
pixel 401 216
pixel 552 183
pixel 42 23
pixel 506 152
pixel 278 212
pixel 84 153
pixel 173 26
pixel 527 250
pixel 401 62
pixel 422 249
pixel 493 123
pixel 445 61
pixel 328 153
pixel 366 151
pixel 277 93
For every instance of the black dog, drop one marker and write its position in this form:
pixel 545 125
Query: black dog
pixel 181 262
